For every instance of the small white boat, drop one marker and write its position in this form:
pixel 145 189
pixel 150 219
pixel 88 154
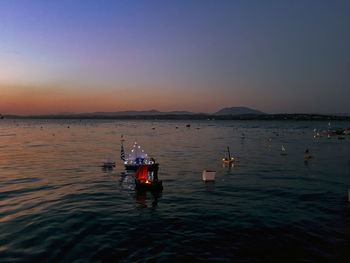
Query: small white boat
pixel 108 163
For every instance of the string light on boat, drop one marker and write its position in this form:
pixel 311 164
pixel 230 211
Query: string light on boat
pixel 228 160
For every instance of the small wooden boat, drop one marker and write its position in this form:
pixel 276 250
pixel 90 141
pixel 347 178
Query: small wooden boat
pixel 146 178
pixel 283 151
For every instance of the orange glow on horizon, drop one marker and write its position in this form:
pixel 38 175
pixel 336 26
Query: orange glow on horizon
pixel 52 99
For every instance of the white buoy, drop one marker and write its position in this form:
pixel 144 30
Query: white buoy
pixel 208 175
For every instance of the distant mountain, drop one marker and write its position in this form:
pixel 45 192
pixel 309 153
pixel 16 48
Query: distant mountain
pixel 135 113
pixel 65 113
pixel 179 113
pixel 234 113
pixel 237 111
pixel 225 111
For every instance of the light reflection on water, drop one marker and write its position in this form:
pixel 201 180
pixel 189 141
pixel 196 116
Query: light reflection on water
pixel 58 204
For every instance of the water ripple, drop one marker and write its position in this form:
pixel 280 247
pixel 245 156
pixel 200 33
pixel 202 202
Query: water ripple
pixel 58 205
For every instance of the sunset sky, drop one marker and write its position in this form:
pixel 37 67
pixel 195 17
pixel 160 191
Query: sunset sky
pixel 87 56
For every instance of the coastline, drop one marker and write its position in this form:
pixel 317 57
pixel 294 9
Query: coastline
pixel 267 117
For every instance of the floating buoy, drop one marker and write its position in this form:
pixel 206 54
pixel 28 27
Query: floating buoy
pixel 208 175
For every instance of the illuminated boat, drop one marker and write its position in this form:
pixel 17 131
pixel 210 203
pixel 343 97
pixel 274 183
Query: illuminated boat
pixel 228 159
pixel 136 158
pixel 146 178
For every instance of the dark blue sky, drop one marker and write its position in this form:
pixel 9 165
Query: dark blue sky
pixel 276 56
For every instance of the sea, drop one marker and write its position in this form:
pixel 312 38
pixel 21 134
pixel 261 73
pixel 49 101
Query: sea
pixel 57 204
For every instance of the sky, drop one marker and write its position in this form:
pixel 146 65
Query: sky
pixel 195 55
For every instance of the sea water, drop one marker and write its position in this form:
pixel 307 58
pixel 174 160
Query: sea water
pixel 57 204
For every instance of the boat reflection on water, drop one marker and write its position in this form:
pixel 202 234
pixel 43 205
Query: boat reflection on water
pixel 145 199
pixel 106 168
pixel 209 186
pixel 229 165
pixel 127 181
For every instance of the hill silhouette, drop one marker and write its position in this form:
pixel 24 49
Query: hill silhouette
pixel 238 111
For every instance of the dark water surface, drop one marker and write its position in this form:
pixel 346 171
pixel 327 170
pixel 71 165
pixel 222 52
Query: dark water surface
pixel 58 205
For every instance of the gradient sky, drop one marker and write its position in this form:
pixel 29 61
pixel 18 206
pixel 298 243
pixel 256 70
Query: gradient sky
pixel 86 56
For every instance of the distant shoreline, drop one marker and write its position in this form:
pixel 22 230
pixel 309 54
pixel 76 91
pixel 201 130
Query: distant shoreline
pixel 268 117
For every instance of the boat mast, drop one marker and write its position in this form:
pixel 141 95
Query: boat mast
pixel 122 153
